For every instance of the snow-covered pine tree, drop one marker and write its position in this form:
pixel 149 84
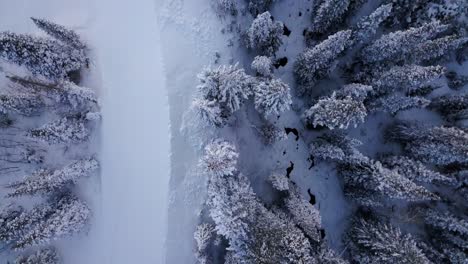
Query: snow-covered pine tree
pixel 335 146
pixel 435 49
pixel 369 183
pixel 407 13
pixel 367 27
pixel 45 57
pixel 225 7
pixel 263 66
pixel 77 98
pixel 233 206
pixel 15 222
pixel 373 242
pixel 452 108
pixel 208 112
pixel 59 32
pixel 204 235
pixel 328 13
pixel 279 182
pixel 220 158
pixel 446 222
pixel 397 45
pixel 259 6
pixel 42 256
pixel 64 130
pixel 272 97
pixel 69 216
pixel 336 112
pixel 316 63
pixel 264 35
pixel 229 86
pixel 304 215
pixel 20 103
pixel 395 103
pixel 415 170
pixel 46 181
pixel 436 145
pixel 406 78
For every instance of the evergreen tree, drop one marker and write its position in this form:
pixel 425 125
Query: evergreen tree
pixel 406 78
pixel 335 146
pixel 316 63
pixel 367 27
pixel 369 183
pixel 263 66
pixel 77 98
pixel 415 170
pixel 64 130
pixel 336 112
pixel 220 158
pixel 328 13
pixel 436 145
pixel 452 108
pixel 306 216
pixel 20 103
pixel 207 112
pixel 279 182
pixel 259 6
pixel 225 7
pixel 397 45
pixel 204 235
pixel 395 103
pixel 59 32
pixel 437 48
pixel 45 57
pixel 46 181
pixel 272 97
pixel 69 216
pixel 227 86
pixel 372 242
pixel 42 256
pixel 264 34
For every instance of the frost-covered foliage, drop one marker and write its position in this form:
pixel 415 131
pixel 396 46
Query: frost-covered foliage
pixel 395 103
pixel 407 78
pixel 20 103
pixel 207 112
pixel 270 133
pixel 437 48
pixel 446 222
pixel 263 66
pixel 328 256
pixel 272 97
pixel 305 215
pixel 64 130
pixel 59 32
pixel 45 57
pixel 335 146
pixel 367 26
pixel 264 35
pixel 415 170
pixel 42 256
pixel 220 158
pixel 369 183
pixel 342 109
pixel 226 86
pixel 452 108
pixel 69 216
pixel 316 63
pixel 45 181
pixel 397 45
pixel 328 13
pixel 225 7
pixel 76 97
pixel 279 182
pixel 259 6
pixel 203 235
pixel 373 242
pixel 436 145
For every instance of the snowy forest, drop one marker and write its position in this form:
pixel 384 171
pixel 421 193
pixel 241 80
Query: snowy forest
pixel 298 131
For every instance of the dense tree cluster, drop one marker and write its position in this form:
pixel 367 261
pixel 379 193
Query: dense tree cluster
pixel 43 113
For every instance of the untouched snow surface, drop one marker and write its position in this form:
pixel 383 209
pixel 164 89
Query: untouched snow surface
pixel 135 155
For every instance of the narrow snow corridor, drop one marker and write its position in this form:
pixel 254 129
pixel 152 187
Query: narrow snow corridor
pixel 135 155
